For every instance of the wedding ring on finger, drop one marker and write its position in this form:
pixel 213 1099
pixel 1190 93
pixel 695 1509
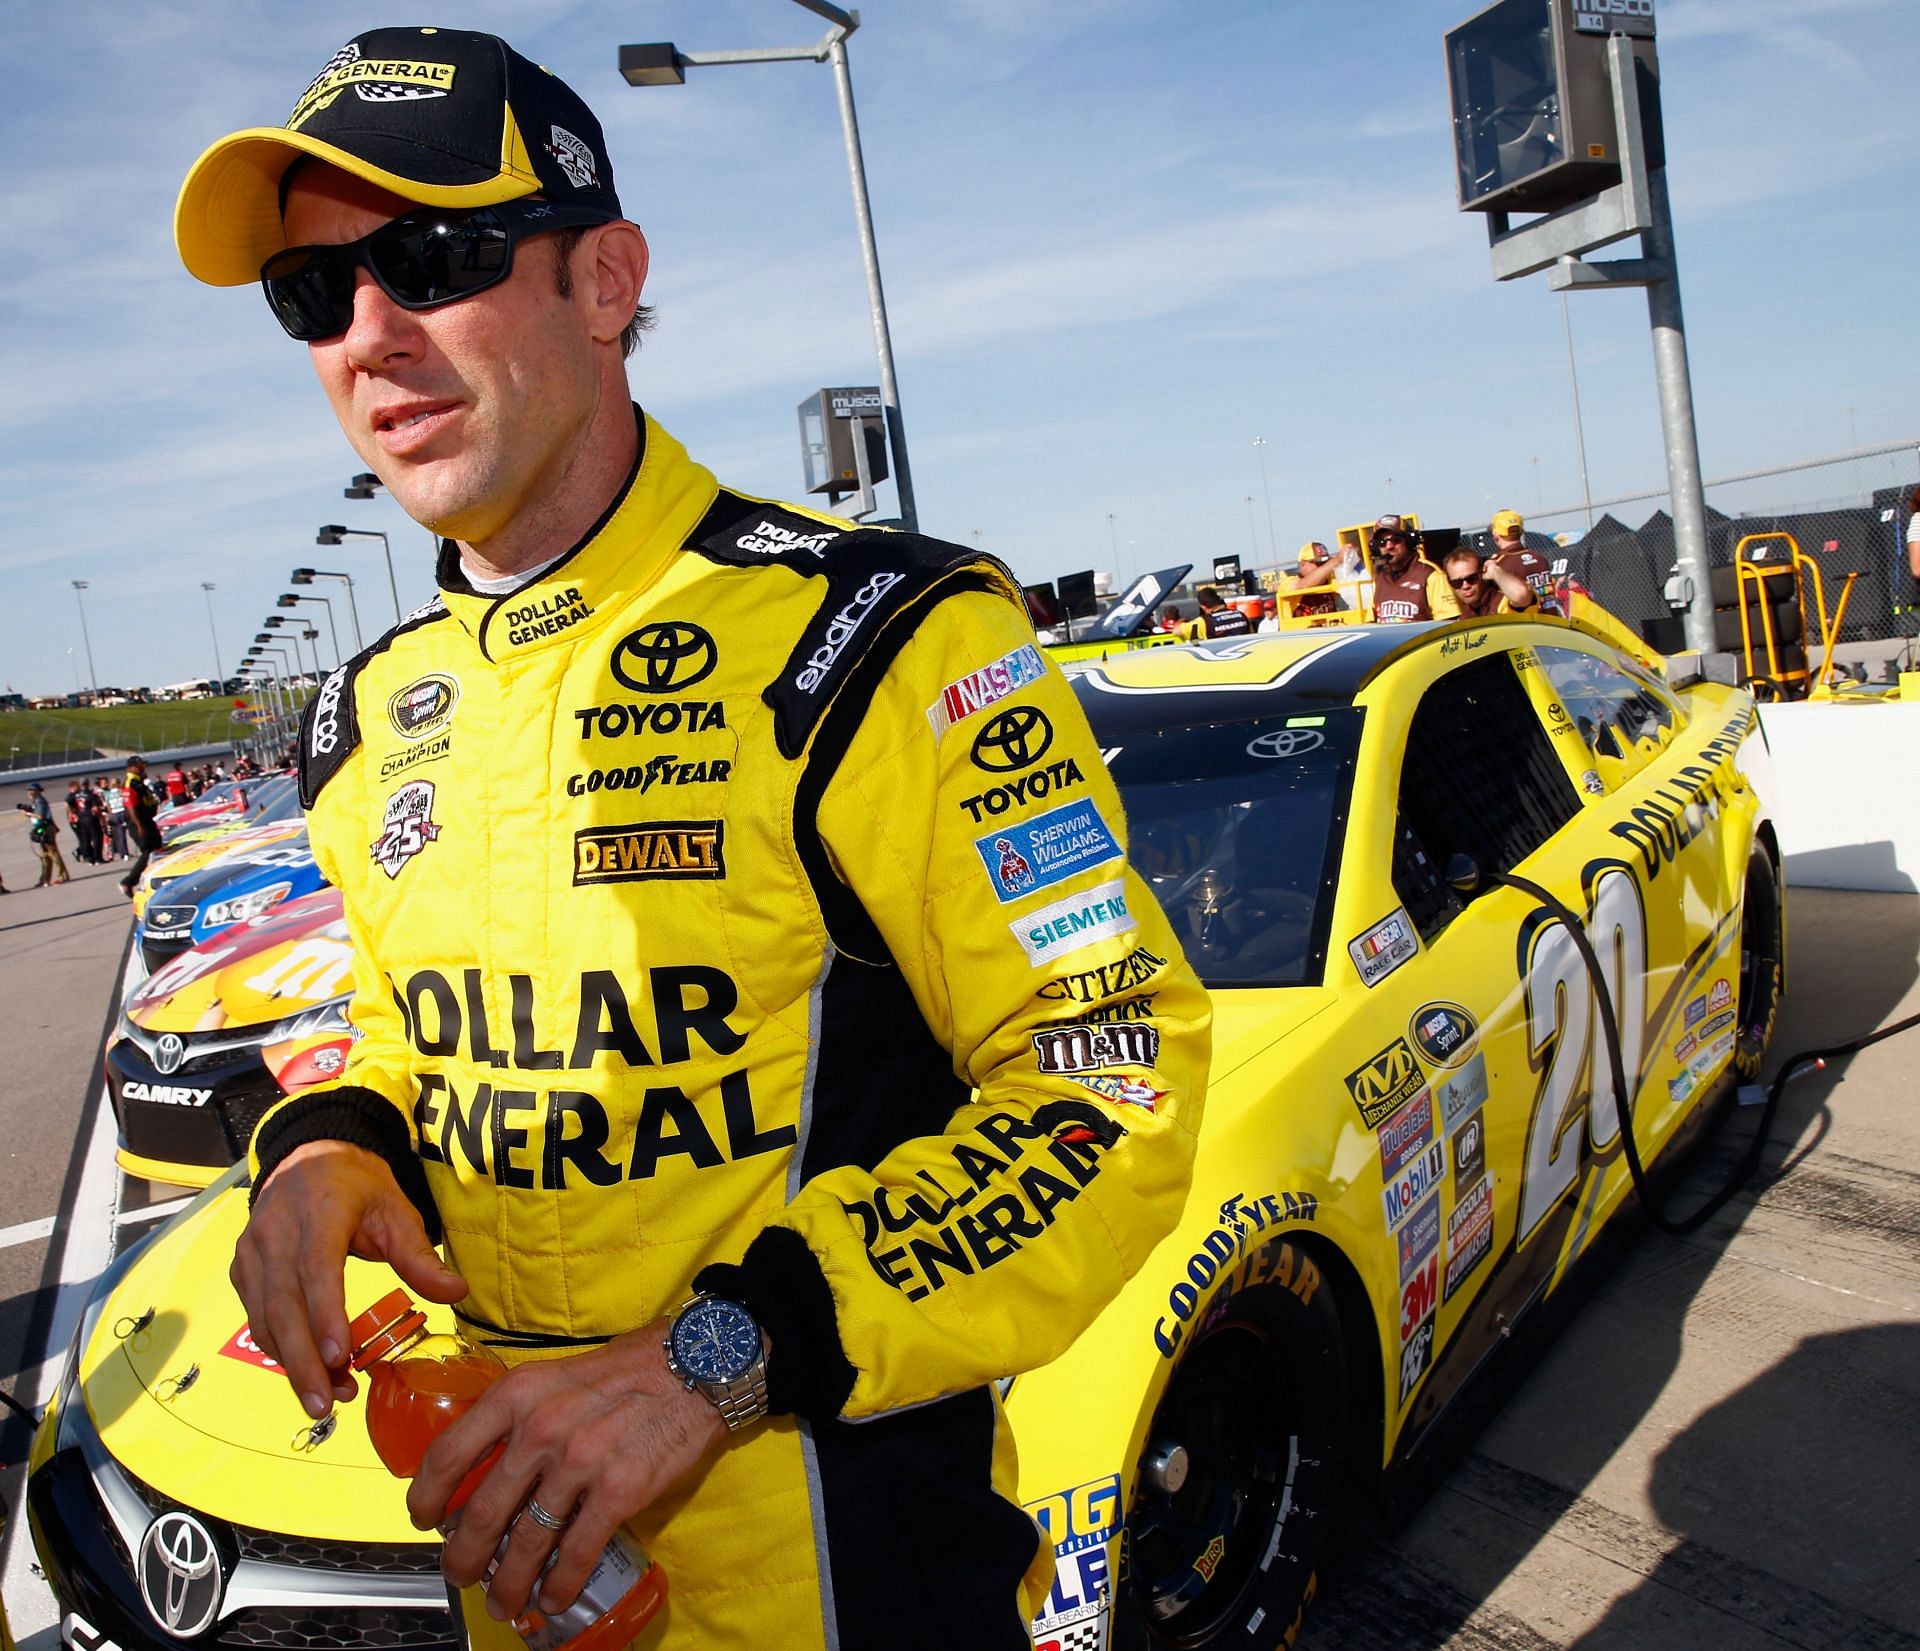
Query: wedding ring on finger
pixel 546 1521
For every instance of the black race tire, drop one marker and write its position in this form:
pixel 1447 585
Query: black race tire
pixel 1762 956
pixel 1259 1403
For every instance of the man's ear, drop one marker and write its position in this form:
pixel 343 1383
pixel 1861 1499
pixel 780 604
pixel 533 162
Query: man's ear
pixel 618 276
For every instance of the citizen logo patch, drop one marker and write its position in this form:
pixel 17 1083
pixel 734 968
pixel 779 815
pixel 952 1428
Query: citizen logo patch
pixel 1088 985
pixel 1017 738
pixel 408 827
pixel 1028 788
pixel 646 853
pixel 423 708
pixel 663 658
pixel 1090 1048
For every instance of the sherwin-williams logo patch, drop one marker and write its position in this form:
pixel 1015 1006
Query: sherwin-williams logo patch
pixel 1077 921
pixel 647 853
pixel 423 708
pixel 1031 854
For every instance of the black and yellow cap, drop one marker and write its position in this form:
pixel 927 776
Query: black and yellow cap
pixel 439 116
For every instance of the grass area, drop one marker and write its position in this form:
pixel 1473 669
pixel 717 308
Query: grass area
pixel 30 739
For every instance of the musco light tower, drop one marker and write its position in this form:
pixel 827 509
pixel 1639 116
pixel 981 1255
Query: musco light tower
pixel 1556 110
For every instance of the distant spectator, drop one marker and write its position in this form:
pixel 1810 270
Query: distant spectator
pixel 83 824
pixel 1217 619
pixel 116 817
pixel 43 831
pixel 1511 552
pixel 1482 587
pixel 141 806
pixel 176 786
pixel 1406 586
pixel 1913 543
pixel 1170 618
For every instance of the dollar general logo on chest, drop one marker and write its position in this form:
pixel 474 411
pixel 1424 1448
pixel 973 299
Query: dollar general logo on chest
pixel 643 853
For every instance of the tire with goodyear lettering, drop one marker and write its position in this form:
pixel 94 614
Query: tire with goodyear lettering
pixel 1240 1478
pixel 1762 950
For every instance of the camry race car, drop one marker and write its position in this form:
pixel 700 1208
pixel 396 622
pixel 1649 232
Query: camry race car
pixel 245 883
pixel 212 1039
pixel 1410 1137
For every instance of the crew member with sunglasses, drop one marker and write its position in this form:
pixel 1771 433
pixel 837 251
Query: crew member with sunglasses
pixel 1482 585
pixel 700 1016
pixel 1406 586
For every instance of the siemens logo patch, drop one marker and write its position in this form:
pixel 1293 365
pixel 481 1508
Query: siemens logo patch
pixel 646 853
pixel 1077 921
pixel 1047 849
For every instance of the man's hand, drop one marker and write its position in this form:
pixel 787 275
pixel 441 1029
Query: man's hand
pixel 324 1201
pixel 594 1438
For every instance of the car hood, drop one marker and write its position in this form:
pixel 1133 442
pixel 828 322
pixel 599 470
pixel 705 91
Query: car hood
pixel 184 1401
pixel 1249 1021
pixel 295 957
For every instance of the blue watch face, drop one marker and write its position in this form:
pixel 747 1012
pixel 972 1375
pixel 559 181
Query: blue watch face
pixel 716 1341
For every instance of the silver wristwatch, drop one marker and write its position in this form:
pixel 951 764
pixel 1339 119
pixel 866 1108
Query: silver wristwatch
pixel 714 1346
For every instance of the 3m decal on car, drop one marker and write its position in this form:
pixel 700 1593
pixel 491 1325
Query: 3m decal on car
pixel 990 684
pixel 1384 947
pixel 1047 849
pixel 1385 1083
pixel 1077 921
pixel 1443 1032
pixel 1419 1296
pixel 649 852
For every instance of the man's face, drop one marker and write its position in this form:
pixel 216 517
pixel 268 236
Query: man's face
pixel 1466 576
pixel 470 413
pixel 1393 550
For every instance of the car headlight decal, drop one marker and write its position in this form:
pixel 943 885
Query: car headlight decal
pixel 224 913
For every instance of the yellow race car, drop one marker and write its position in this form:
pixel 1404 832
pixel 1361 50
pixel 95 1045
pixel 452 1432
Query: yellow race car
pixel 1410 1136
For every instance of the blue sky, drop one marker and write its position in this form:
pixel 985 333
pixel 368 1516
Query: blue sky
pixel 1120 239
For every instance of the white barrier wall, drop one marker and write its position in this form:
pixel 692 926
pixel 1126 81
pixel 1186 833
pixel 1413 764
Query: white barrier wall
pixel 1847 784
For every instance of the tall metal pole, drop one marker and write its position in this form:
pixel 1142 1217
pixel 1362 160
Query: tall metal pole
pixel 1273 541
pixel 392 585
pixel 1579 434
pixel 332 630
pixel 353 610
pixel 220 675
pixel 876 297
pixel 1253 532
pixel 1676 418
pixel 78 586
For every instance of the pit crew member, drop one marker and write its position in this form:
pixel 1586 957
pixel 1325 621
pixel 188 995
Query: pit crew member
pixel 1406 586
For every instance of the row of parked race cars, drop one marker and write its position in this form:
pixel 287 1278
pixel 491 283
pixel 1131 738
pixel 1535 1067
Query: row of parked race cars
pixel 1411 1133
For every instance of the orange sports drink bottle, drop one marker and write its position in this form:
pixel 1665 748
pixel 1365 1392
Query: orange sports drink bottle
pixel 418 1385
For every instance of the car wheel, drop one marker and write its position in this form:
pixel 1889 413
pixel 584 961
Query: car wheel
pixel 1238 1484
pixel 1762 946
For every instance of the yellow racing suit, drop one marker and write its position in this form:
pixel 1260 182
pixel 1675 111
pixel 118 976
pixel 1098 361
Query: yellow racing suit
pixel 743 901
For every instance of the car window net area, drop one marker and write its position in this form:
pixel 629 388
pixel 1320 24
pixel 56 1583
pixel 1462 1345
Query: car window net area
pixel 1235 829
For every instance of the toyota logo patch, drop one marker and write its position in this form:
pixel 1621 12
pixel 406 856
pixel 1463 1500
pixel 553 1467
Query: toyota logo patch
pixel 665 657
pixel 168 1053
pixel 180 1574
pixel 1017 738
pixel 1286 742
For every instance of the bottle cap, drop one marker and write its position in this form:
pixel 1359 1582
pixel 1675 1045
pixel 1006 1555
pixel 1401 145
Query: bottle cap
pixel 383 1327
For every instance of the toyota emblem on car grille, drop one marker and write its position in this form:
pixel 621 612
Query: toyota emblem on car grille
pixel 169 1052
pixel 180 1574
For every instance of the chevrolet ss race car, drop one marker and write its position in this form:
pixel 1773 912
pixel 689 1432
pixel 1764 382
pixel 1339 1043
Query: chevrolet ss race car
pixel 182 862
pixel 247 883
pixel 212 1039
pixel 1410 1137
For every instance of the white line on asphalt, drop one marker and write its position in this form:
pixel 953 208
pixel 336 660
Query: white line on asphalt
pixel 86 1246
pixel 25 1232
pixel 152 1212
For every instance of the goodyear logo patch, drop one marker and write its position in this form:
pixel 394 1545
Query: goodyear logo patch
pixel 646 853
pixel 1386 1083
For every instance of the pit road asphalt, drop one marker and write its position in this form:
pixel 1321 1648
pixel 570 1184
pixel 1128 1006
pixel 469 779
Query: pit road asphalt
pixel 1712 1448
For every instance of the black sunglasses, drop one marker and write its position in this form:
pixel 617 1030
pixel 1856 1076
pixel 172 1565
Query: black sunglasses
pixel 421 260
pixel 1461 584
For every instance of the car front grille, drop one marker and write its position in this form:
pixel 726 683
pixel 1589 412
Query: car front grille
pixel 341 1630
pixel 382 1558
pixel 241 1112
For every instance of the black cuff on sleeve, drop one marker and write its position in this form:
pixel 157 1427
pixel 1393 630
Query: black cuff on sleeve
pixel 779 1281
pixel 360 1118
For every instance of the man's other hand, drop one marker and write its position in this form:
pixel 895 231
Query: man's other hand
pixel 593 1438
pixel 324 1201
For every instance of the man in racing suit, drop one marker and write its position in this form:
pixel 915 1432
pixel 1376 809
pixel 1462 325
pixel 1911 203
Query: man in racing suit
pixel 734 894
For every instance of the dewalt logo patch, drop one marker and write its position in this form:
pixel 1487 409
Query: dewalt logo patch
pixel 646 853
pixel 1385 1083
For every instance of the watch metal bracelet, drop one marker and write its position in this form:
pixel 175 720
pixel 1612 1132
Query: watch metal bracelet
pixel 742 1400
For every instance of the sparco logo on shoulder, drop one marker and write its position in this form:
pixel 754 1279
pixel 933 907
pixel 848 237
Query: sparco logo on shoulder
pixel 326 714
pixel 840 632
pixel 664 657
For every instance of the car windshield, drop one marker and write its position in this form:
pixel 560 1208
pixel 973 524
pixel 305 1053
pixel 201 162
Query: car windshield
pixel 1236 829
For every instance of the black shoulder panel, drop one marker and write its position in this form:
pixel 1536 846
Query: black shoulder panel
pixel 873 575
pixel 330 725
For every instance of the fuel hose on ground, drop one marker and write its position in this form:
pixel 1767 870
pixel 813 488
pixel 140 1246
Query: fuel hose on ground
pixel 1465 875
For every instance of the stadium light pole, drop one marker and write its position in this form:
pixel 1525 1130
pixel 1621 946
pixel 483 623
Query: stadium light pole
pixel 219 671
pixel 78 586
pixel 312 638
pixel 664 64
pixel 1273 542
pixel 290 600
pixel 306 576
pixel 333 535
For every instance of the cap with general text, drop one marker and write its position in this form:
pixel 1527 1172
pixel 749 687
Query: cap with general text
pixel 1507 523
pixel 443 117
